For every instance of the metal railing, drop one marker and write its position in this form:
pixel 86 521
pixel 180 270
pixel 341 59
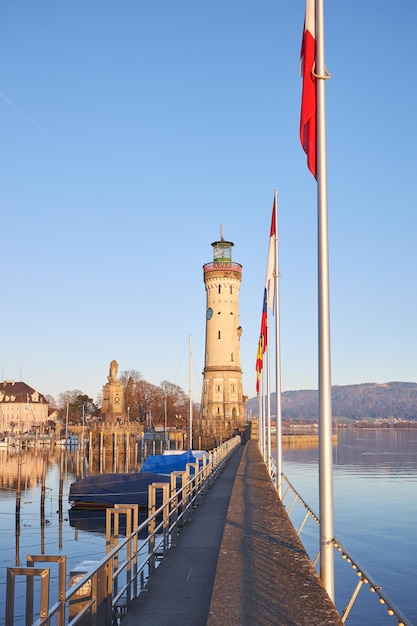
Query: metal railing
pixel 364 578
pixel 102 592
pixel 217 265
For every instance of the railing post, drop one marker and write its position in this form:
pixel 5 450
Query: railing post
pixel 12 572
pixel 129 510
pixel 151 527
pixel 152 507
pixel 176 503
pixel 61 560
pixel 193 478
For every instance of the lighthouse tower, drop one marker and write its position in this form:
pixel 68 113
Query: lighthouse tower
pixel 222 411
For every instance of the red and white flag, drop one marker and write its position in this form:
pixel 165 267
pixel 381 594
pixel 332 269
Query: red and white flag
pixel 308 119
pixel 270 268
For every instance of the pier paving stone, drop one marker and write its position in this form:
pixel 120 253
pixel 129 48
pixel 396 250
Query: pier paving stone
pixel 238 562
pixel 264 576
pixel 179 592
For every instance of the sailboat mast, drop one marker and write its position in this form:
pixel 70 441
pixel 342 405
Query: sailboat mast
pixel 66 424
pixel 191 394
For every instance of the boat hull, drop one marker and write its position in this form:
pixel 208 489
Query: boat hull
pixel 104 491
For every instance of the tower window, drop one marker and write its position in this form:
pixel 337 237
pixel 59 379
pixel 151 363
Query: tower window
pixel 232 357
pixel 220 288
pixel 231 290
pixel 218 335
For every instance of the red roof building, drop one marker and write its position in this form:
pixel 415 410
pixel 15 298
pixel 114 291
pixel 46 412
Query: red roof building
pixel 22 408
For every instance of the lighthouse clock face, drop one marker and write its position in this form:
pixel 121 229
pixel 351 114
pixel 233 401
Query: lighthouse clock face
pixel 209 313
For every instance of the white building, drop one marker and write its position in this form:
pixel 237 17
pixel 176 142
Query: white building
pixel 22 408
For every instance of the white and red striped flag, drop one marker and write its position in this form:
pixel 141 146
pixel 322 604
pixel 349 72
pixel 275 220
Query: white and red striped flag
pixel 270 268
pixel 308 118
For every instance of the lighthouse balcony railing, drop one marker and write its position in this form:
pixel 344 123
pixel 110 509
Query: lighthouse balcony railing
pixel 222 265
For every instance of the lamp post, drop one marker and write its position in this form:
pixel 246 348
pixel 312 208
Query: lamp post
pixel 83 437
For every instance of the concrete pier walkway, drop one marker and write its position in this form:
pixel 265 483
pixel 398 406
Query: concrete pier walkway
pixel 238 562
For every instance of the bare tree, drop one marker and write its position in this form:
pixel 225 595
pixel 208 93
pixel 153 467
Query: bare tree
pixel 68 397
pixel 51 402
pixel 177 402
pixel 70 400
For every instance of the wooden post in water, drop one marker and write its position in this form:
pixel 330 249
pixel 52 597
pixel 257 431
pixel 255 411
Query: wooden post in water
pixel 102 453
pixel 43 491
pixel 116 451
pixel 61 489
pixel 90 447
pixel 125 451
pixel 18 504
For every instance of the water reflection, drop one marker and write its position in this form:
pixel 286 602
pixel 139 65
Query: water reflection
pixel 375 490
pixel 95 521
pixel 375 513
pixel 33 479
pixel 364 448
pixel 88 521
pixel 392 450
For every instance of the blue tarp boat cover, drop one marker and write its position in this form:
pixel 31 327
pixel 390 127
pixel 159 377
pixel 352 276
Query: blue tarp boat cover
pixel 167 463
pixel 106 490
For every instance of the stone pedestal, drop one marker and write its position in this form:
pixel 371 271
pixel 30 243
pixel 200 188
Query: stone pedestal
pixel 113 409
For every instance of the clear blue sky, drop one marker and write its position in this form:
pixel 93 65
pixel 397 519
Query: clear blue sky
pixel 131 130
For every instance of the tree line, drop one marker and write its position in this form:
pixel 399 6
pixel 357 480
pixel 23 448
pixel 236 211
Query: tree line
pixel 153 405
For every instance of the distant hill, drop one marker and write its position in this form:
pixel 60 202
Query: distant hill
pixel 352 402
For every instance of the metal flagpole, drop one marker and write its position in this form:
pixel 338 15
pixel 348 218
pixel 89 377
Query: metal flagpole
pixel 325 403
pixel 260 416
pixel 278 478
pixel 268 410
pixel 265 411
pixel 262 431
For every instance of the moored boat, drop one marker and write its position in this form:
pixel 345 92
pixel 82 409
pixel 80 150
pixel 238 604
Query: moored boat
pixel 106 490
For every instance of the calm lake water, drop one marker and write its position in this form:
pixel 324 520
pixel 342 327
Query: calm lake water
pixel 375 502
pixel 375 516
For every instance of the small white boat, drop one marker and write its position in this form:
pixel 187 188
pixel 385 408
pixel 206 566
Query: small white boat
pixel 68 442
pixel 9 442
